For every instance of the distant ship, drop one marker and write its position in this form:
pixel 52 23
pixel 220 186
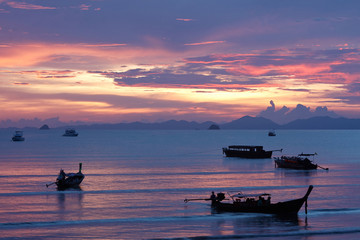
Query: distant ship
pixel 70 133
pixel 18 136
pixel 272 133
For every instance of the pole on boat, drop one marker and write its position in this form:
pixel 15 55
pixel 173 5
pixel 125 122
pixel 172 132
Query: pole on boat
pixel 323 167
pixel 196 199
pixel 47 185
pixel 306 205
pixel 80 167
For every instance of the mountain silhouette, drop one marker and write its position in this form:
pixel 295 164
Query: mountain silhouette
pixel 248 122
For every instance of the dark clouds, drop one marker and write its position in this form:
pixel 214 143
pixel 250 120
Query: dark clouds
pixel 244 71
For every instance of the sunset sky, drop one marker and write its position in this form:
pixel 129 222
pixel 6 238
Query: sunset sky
pixel 155 60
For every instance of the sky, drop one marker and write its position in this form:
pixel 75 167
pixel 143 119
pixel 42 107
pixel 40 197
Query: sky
pixel 154 60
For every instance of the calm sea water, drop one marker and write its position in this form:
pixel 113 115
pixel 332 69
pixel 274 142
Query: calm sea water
pixel 136 182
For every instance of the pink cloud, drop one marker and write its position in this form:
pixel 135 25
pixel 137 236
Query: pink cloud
pixel 28 6
pixel 84 7
pixel 203 43
pixel 44 74
pixel 185 19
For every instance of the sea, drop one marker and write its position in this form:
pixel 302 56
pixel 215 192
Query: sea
pixel 136 182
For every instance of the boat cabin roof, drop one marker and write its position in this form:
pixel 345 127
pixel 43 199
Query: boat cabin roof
pixel 307 154
pixel 246 147
pixel 241 195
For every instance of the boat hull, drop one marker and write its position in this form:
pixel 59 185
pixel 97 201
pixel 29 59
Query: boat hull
pixel 70 182
pixel 294 165
pixel 18 139
pixel 291 207
pixel 246 154
pixel 283 208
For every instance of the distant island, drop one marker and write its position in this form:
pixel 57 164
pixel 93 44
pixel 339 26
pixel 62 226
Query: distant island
pixel 44 127
pixel 247 122
pixel 301 117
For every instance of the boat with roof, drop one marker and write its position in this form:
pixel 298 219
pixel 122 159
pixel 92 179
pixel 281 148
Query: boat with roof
pixel 70 132
pixel 255 203
pixel 247 151
pixel 300 161
pixel 18 136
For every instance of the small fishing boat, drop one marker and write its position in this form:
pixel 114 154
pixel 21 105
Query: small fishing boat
pixel 271 133
pixel 69 180
pixel 256 203
pixel 18 136
pixel 301 162
pixel 70 133
pixel 247 151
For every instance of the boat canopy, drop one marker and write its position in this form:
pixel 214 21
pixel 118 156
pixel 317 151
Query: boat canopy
pixel 307 154
pixel 241 195
pixel 247 147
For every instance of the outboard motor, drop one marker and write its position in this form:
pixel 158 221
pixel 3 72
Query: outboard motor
pixel 220 196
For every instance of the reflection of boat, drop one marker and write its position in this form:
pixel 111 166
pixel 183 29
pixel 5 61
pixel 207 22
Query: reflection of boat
pixel 245 151
pixel 69 180
pixel 297 162
pixel 256 203
pixel 272 133
pixel 70 133
pixel 18 136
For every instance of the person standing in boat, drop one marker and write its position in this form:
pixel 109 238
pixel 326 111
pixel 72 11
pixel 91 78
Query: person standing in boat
pixel 61 176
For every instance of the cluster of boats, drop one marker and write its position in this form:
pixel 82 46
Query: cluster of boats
pixel 249 203
pixel 300 161
pixel 239 202
pixel 261 203
pixel 18 135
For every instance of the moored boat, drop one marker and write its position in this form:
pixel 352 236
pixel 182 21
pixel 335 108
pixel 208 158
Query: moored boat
pixel 247 151
pixel 69 180
pixel 301 162
pixel 271 133
pixel 70 133
pixel 18 136
pixel 256 203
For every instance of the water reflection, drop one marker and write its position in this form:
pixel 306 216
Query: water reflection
pixel 233 163
pixel 70 201
pixel 295 173
pixel 256 224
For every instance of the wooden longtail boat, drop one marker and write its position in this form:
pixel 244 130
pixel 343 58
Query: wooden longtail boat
pixel 247 151
pixel 297 162
pixel 256 203
pixel 68 180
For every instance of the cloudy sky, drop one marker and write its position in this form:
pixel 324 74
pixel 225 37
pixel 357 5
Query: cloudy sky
pixel 155 60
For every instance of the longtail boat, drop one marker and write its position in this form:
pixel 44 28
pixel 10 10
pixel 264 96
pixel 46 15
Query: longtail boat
pixel 256 203
pixel 301 161
pixel 247 151
pixel 68 180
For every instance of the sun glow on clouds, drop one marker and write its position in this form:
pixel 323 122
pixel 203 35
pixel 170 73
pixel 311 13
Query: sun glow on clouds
pixel 70 78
